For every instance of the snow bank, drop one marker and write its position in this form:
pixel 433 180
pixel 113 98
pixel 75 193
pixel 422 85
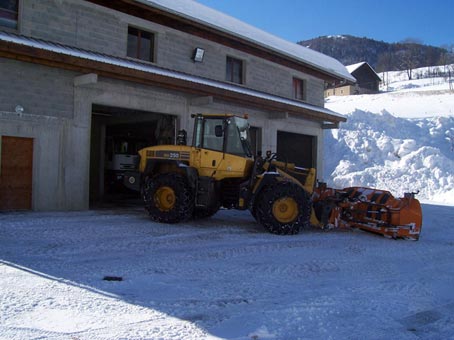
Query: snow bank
pixel 401 141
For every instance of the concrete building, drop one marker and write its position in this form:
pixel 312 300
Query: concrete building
pixel 367 81
pixel 83 81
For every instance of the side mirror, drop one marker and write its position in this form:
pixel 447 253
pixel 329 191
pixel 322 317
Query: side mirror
pixel 218 131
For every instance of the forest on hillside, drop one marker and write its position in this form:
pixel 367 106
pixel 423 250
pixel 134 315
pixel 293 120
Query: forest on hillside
pixel 382 56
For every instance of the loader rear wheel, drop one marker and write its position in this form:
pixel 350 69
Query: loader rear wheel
pixel 168 198
pixel 283 208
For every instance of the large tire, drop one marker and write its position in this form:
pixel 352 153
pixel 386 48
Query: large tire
pixel 283 208
pixel 168 198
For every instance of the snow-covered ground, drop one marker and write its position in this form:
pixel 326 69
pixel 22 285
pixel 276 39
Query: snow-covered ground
pixel 401 140
pixel 223 277
pixel 431 75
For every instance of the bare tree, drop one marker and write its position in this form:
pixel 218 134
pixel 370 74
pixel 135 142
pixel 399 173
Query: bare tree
pixel 385 64
pixel 450 78
pixel 412 40
pixel 408 56
pixel 407 61
pixel 447 61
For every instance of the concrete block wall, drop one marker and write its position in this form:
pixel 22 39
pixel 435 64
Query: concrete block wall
pixel 85 25
pixel 175 51
pixel 58 159
pixel 60 140
pixel 62 145
pixel 40 90
pixel 74 22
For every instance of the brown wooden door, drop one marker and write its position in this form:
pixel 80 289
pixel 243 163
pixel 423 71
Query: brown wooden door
pixel 16 156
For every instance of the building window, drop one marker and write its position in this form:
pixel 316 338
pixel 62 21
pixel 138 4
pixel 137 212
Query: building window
pixel 140 44
pixel 299 89
pixel 234 70
pixel 8 13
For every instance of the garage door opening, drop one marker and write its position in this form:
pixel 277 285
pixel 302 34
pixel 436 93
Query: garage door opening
pixel 117 135
pixel 297 148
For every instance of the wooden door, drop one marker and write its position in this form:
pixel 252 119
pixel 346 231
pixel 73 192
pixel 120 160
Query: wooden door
pixel 16 170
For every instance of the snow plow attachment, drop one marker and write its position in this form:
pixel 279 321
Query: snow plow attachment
pixel 372 210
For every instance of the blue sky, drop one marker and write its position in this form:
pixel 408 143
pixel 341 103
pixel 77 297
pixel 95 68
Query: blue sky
pixel 389 20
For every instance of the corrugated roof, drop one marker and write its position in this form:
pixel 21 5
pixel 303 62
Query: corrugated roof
pixel 197 12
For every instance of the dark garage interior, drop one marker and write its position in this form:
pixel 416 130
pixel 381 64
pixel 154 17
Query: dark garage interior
pixel 297 148
pixel 117 134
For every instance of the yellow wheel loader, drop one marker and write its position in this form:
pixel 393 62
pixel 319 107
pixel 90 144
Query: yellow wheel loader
pixel 179 182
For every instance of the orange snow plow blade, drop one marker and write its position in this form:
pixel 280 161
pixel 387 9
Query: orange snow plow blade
pixel 373 210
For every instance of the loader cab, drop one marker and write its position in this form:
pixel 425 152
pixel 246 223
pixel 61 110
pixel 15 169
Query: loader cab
pixel 223 133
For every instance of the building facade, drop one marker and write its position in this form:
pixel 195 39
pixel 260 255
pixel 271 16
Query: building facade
pixel 83 82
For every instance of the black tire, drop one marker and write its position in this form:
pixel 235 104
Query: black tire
pixel 168 198
pixel 283 208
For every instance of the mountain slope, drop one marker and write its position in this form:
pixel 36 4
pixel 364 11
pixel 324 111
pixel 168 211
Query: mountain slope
pixel 379 54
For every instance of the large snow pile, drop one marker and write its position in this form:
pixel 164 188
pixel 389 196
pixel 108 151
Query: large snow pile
pixel 401 140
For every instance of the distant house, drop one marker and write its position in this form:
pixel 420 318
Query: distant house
pixel 367 81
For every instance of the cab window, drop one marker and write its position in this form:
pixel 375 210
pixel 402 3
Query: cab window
pixel 233 140
pixel 210 139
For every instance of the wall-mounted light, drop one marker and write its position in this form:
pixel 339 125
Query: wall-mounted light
pixel 19 109
pixel 198 54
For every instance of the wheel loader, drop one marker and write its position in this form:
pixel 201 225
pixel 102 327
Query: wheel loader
pixel 180 182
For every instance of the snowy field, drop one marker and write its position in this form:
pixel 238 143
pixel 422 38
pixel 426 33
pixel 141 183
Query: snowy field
pixel 223 277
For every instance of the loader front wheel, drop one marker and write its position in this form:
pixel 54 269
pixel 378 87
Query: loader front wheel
pixel 168 198
pixel 283 208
